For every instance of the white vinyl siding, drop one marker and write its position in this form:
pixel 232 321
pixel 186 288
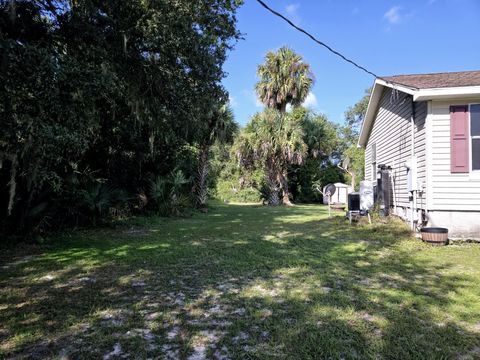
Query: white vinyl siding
pixel 457 191
pixel 373 161
pixel 391 133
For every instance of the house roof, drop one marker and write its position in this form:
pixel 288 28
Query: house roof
pixel 421 87
pixel 437 80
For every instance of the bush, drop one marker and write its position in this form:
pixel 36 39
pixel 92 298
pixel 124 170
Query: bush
pixel 170 195
pixel 227 191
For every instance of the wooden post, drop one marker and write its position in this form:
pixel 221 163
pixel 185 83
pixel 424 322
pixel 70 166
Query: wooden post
pixel 329 203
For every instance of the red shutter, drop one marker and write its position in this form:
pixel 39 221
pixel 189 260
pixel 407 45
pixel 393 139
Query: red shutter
pixel 459 139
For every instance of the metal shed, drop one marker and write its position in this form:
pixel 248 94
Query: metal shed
pixel 340 195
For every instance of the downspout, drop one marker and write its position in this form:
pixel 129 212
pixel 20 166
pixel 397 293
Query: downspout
pixel 394 179
pixel 413 202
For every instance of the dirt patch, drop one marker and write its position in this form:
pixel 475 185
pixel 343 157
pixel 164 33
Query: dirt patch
pixel 117 351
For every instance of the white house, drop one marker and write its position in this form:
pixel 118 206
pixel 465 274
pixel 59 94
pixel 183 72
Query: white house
pixel 426 127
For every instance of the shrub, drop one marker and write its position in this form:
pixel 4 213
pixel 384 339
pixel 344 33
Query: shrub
pixel 170 195
pixel 227 191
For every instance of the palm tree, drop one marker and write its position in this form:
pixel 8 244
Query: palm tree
pixel 220 126
pixel 273 140
pixel 284 79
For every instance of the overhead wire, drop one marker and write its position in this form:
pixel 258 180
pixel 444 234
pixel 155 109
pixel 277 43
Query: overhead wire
pixel 329 48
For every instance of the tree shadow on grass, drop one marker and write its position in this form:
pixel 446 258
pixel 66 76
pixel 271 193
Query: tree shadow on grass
pixel 252 283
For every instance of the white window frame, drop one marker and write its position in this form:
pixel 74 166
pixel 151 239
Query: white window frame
pixel 476 172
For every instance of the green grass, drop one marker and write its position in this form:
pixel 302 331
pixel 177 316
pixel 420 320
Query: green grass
pixel 241 282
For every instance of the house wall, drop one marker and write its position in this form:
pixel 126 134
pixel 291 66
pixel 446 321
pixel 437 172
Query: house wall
pixel 453 199
pixel 392 134
pixel 460 224
pixel 450 200
pixel 449 191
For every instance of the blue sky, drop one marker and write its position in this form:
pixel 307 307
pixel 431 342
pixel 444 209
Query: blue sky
pixel 386 36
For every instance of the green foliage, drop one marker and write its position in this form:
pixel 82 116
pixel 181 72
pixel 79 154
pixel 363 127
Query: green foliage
pixel 354 118
pixel 230 191
pixel 169 194
pixel 98 198
pixel 330 174
pixel 352 156
pixel 221 128
pixel 232 182
pixel 271 141
pixel 101 86
pixel 262 140
pixel 284 79
pixel 356 157
pixel 320 136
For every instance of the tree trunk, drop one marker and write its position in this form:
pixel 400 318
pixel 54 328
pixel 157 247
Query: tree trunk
pixel 274 198
pixel 352 177
pixel 286 192
pixel 282 107
pixel 273 187
pixel 201 178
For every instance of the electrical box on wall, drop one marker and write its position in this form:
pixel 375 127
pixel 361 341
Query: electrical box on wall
pixel 411 165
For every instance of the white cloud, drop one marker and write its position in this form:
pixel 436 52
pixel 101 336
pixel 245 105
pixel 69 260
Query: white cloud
pixel 393 15
pixel 310 101
pixel 252 95
pixel 292 12
pixel 257 101
pixel 233 102
pixel 292 8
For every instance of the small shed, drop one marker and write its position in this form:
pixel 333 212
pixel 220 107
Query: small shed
pixel 340 196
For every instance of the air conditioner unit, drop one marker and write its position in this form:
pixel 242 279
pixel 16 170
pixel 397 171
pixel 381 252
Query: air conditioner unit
pixel 366 195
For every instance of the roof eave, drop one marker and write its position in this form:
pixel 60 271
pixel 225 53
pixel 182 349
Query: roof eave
pixel 370 114
pixel 397 86
pixel 378 86
pixel 460 92
pixel 447 93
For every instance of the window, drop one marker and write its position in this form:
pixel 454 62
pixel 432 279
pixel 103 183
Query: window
pixel 374 161
pixel 475 136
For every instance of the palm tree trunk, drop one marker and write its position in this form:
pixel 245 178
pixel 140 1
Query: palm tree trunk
pixel 273 187
pixel 274 198
pixel 201 188
pixel 282 107
pixel 285 190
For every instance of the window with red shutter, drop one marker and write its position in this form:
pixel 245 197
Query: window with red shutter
pixel 459 139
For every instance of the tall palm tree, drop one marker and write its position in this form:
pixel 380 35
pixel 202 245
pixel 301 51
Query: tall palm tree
pixel 284 79
pixel 273 140
pixel 220 126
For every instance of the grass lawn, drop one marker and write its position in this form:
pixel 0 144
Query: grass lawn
pixel 241 282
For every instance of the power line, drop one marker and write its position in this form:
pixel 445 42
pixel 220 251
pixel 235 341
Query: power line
pixel 276 13
pixel 316 40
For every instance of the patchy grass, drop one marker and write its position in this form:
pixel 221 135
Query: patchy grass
pixel 241 282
